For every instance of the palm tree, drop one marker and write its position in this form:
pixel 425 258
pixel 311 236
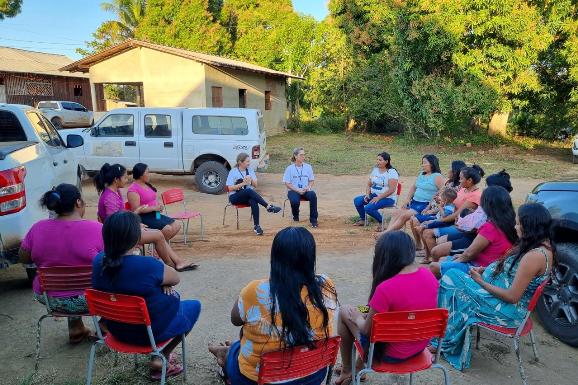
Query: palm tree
pixel 129 14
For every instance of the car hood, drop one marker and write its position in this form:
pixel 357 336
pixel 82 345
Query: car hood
pixel 556 186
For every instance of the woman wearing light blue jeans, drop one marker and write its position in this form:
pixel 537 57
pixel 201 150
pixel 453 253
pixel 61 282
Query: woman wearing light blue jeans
pixel 380 193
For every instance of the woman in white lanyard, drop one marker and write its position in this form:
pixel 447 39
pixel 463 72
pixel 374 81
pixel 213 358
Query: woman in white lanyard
pixel 241 183
pixel 299 179
pixel 381 190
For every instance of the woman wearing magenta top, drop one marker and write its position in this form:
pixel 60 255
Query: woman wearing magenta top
pixel 108 182
pixel 395 279
pixel 495 237
pixel 67 240
pixel 142 195
pixel 427 184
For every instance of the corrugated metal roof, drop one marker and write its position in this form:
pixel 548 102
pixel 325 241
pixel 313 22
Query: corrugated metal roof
pixel 83 65
pixel 23 61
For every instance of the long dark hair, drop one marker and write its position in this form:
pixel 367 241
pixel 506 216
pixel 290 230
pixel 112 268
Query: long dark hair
pixel 536 223
pixel 385 156
pixel 393 251
pixel 138 171
pixel 501 178
pixel 475 173
pixel 497 204
pixel 107 175
pixel 434 162
pixel 293 258
pixel 121 232
pixel 61 199
pixel 457 166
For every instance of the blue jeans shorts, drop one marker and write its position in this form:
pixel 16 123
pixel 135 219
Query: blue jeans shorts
pixel 449 264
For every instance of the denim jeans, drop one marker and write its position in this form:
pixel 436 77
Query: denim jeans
pixel 249 197
pixel 295 200
pixel 371 209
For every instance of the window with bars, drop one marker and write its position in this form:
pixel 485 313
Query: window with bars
pixel 77 90
pixel 267 100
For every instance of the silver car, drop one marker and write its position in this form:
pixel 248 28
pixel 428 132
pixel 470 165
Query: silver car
pixel 66 114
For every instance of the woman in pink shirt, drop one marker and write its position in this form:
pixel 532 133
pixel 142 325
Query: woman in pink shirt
pixel 142 195
pixel 495 237
pixel 67 240
pixel 108 182
pixel 395 279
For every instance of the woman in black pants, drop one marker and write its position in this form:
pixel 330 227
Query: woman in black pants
pixel 241 183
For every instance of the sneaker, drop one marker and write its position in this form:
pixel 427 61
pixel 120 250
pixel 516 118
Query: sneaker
pixel 273 209
pixel 295 219
pixel 314 225
pixel 258 230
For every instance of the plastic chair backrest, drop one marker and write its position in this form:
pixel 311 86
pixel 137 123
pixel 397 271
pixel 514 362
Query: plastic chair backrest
pixel 297 362
pixel 398 192
pixel 127 206
pixel 123 308
pixel 409 326
pixel 173 195
pixel 537 295
pixel 65 278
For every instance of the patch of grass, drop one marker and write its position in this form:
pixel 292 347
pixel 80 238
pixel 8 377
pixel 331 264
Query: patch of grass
pixel 351 154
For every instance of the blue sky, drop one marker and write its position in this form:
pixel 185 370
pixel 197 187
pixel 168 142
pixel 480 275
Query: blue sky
pixel 63 25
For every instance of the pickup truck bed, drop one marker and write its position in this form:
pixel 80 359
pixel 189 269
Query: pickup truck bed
pixel 6 148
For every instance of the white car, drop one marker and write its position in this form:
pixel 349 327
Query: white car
pixel 33 159
pixel 200 141
pixel 66 114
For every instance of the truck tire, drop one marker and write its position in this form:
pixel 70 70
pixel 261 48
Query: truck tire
pixel 56 122
pixel 558 307
pixel 211 177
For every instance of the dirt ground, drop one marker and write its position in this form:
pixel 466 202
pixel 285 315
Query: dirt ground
pixel 229 259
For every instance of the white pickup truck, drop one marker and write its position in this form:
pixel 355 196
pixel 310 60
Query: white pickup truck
pixel 200 141
pixel 33 159
pixel 66 114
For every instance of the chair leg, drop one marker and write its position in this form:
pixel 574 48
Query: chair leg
pixel 534 346
pixel 477 338
pixel 225 214
pixel 445 372
pixel 411 379
pixel 186 230
pixel 164 369
pixel 284 202
pixel 184 347
pixel 329 375
pixel 90 368
pixel 38 339
pixel 237 218
pixel 518 355
pixel 354 363
pixel 202 229
pixel 135 361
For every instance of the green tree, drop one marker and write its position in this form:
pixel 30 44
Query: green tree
pixel 10 8
pixel 129 14
pixel 188 24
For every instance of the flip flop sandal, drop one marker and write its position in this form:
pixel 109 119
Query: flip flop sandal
pixel 337 371
pixel 172 370
pixel 79 338
pixel 191 266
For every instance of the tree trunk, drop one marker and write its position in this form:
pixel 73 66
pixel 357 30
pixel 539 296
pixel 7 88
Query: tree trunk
pixel 499 124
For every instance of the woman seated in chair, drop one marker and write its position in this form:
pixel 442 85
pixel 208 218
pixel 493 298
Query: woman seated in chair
pixel 241 183
pixel 142 197
pixel 118 270
pixel 381 190
pixel 500 293
pixel 299 179
pixel 494 238
pixel 108 183
pixel 291 308
pixel 395 279
pixel 66 240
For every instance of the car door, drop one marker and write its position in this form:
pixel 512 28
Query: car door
pixel 69 115
pixel 82 114
pixel 62 165
pixel 159 141
pixel 114 140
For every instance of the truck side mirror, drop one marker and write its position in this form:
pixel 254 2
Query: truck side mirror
pixel 73 141
pixel 93 131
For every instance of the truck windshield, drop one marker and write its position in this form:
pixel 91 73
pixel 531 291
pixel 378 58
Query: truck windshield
pixel 48 105
pixel 10 128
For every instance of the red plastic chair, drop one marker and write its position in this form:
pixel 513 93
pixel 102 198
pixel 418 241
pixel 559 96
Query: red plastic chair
pixel 403 326
pixel 298 362
pixel 524 329
pixel 176 195
pixel 237 207
pixel 60 278
pixel 302 199
pixel 128 309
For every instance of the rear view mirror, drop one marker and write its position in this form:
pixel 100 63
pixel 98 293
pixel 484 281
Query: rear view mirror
pixel 73 141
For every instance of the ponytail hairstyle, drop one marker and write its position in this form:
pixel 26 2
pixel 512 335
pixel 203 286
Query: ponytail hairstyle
pixel 457 166
pixel 138 171
pixel 475 173
pixel 107 175
pixel 385 156
pixel 536 228
pixel 502 179
pixel 293 259
pixel 241 158
pixel 121 232
pixel 61 199
pixel 295 153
